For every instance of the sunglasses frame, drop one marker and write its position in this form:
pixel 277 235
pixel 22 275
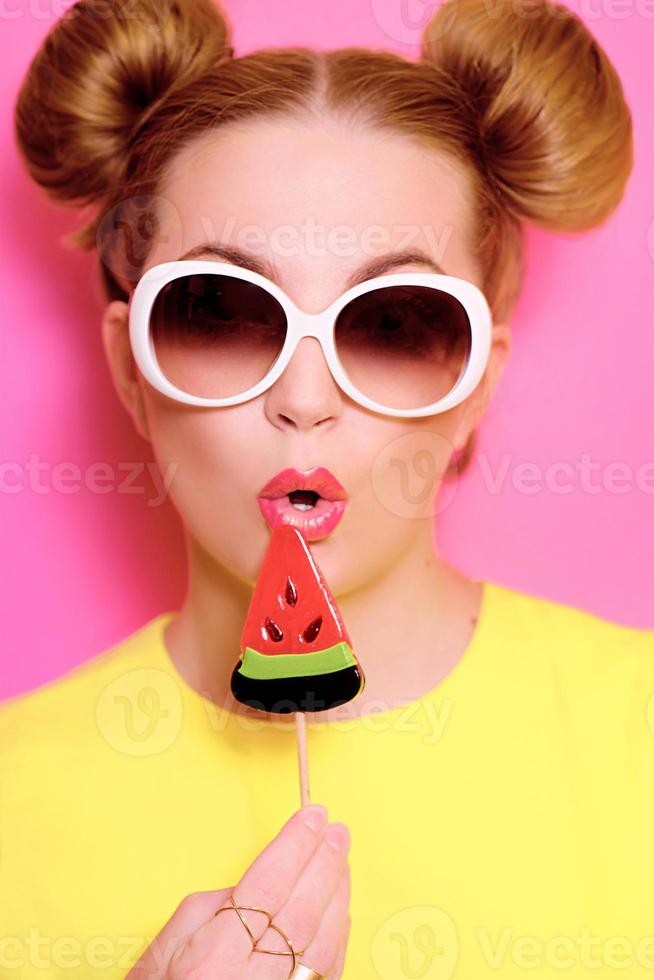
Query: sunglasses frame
pixel 300 324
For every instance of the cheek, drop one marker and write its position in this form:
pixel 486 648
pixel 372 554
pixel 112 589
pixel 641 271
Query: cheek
pixel 407 467
pixel 216 475
pixel 196 441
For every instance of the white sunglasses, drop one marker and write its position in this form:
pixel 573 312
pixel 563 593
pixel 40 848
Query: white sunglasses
pixel 214 334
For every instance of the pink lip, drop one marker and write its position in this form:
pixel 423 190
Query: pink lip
pixel 314 524
pixel 318 479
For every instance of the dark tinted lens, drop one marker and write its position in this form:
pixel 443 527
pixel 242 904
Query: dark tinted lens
pixel 403 346
pixel 214 335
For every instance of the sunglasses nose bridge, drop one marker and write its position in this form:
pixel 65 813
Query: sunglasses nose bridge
pixel 316 325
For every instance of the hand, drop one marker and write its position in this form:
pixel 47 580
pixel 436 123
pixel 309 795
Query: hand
pixel 300 877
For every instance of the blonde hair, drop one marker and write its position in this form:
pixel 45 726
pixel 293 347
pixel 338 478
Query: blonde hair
pixel 517 92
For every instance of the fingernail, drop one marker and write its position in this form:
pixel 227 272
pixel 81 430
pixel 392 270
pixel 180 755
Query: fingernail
pixel 338 836
pixel 314 816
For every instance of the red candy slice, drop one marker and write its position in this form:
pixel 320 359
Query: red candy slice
pixel 296 654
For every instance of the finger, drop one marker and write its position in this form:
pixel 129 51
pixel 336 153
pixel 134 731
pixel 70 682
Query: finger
pixel 301 915
pixel 338 970
pixel 271 877
pixel 328 944
pixel 321 953
pixel 266 884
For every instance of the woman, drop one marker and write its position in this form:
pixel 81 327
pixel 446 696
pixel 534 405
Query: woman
pixel 495 774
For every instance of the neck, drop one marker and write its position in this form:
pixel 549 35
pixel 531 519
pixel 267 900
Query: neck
pixel 408 627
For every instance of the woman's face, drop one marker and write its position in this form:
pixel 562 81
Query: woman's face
pixel 317 203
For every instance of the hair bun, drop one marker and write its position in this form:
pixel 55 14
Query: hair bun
pixel 551 126
pixel 95 78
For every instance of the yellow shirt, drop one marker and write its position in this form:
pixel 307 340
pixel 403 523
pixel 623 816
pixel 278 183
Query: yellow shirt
pixel 502 825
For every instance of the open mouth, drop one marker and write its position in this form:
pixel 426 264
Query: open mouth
pixel 303 499
pixel 291 497
pixel 314 515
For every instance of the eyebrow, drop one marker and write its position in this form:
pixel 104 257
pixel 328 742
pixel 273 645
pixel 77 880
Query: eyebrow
pixel 376 268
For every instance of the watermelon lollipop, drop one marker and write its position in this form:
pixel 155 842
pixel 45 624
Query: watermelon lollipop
pixel 296 654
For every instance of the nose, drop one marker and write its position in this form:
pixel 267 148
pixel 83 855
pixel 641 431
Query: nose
pixel 305 394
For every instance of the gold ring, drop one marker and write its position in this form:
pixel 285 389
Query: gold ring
pixel 302 972
pixel 293 953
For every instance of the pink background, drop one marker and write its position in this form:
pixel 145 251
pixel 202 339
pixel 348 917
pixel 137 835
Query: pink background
pixel 83 569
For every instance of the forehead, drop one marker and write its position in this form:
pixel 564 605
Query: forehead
pixel 316 197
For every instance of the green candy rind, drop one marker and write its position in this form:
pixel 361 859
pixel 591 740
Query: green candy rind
pixel 266 667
